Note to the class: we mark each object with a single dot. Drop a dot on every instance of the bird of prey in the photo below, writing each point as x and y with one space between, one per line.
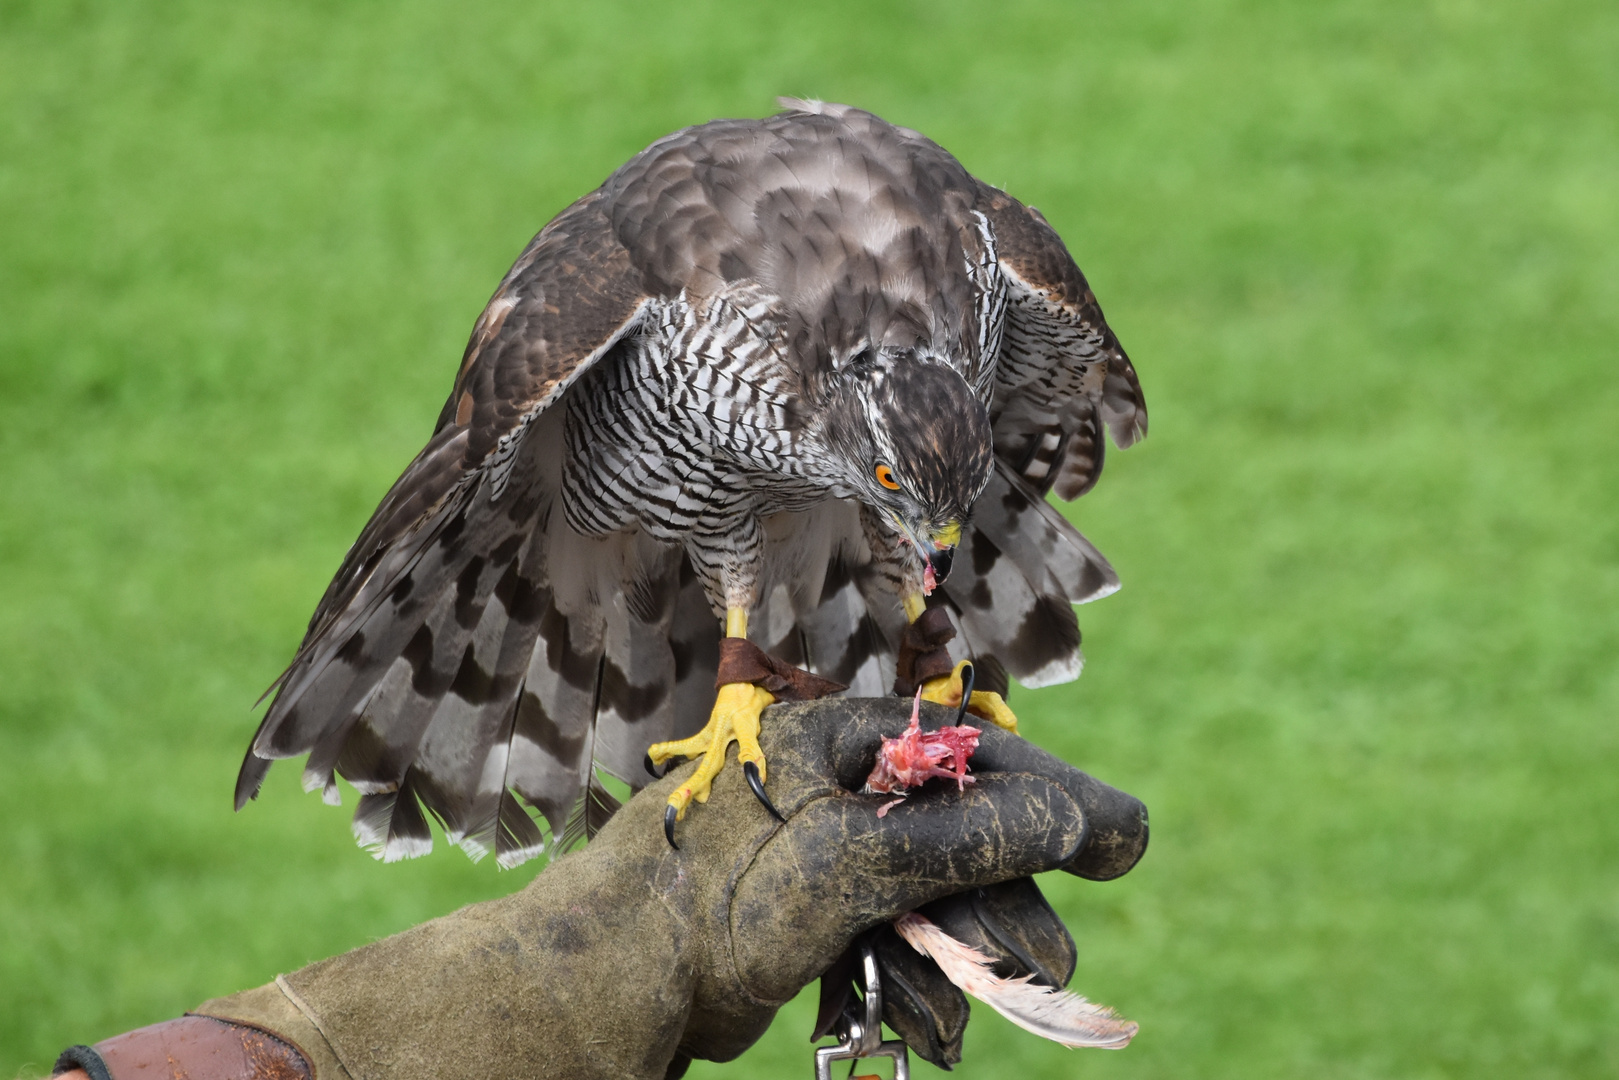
801 380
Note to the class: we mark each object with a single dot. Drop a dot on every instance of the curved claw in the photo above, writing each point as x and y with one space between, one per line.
652 770
751 771
966 693
670 815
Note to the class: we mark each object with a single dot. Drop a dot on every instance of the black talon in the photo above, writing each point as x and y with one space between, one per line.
966 692
669 815
652 770
750 769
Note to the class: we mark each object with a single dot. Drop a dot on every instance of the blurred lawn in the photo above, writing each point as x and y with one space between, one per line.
1365 255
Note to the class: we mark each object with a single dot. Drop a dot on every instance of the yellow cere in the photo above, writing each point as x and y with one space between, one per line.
948 535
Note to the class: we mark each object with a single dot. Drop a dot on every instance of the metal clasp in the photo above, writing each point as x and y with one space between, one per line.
860 1029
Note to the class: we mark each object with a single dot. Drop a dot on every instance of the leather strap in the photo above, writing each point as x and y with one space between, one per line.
922 652
190 1048
741 661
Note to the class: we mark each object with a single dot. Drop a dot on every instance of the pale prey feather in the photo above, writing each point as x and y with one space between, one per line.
1058 1015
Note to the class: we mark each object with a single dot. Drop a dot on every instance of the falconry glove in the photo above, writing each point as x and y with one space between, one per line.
630 958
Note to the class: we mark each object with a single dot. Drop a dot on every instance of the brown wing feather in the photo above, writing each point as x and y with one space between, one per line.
1062 373
435 552
569 297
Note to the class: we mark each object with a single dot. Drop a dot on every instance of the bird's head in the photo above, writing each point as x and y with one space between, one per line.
913 442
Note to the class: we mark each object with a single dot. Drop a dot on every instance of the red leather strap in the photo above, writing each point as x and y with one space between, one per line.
202 1048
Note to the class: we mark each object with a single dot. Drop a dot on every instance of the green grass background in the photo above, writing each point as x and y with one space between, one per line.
1365 254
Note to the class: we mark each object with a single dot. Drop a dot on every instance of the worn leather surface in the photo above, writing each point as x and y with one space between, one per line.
741 661
269 1009
1012 924
202 1048
922 653
628 958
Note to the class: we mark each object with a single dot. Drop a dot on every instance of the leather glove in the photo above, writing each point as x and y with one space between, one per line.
1011 924
629 958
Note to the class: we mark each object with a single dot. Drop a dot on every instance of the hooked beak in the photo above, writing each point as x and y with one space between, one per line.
938 551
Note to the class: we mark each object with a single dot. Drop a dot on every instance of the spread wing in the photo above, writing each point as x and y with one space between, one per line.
1060 378
1062 375
420 677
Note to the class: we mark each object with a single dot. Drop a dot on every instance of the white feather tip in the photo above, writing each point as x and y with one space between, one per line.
1057 1015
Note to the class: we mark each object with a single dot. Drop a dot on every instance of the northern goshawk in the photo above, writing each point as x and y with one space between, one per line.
771 380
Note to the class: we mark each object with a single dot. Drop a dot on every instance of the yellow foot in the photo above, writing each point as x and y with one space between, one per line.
735 719
946 690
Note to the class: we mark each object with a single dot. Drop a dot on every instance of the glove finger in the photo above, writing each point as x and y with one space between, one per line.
1118 821
837 869
837 989
920 1004
1012 924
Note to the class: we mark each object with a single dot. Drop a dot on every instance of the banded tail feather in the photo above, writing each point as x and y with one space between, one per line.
1020 570
589 814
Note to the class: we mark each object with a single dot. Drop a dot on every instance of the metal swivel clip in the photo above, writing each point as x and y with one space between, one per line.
860 1028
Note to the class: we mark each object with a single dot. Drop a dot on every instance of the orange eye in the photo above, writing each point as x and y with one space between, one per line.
885 477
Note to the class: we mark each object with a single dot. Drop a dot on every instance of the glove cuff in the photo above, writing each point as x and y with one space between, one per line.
273 1009
82 1057
192 1047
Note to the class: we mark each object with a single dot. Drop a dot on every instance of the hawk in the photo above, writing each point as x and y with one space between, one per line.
801 381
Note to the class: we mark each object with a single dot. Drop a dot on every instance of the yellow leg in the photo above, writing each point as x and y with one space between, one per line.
946 689
985 704
735 719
